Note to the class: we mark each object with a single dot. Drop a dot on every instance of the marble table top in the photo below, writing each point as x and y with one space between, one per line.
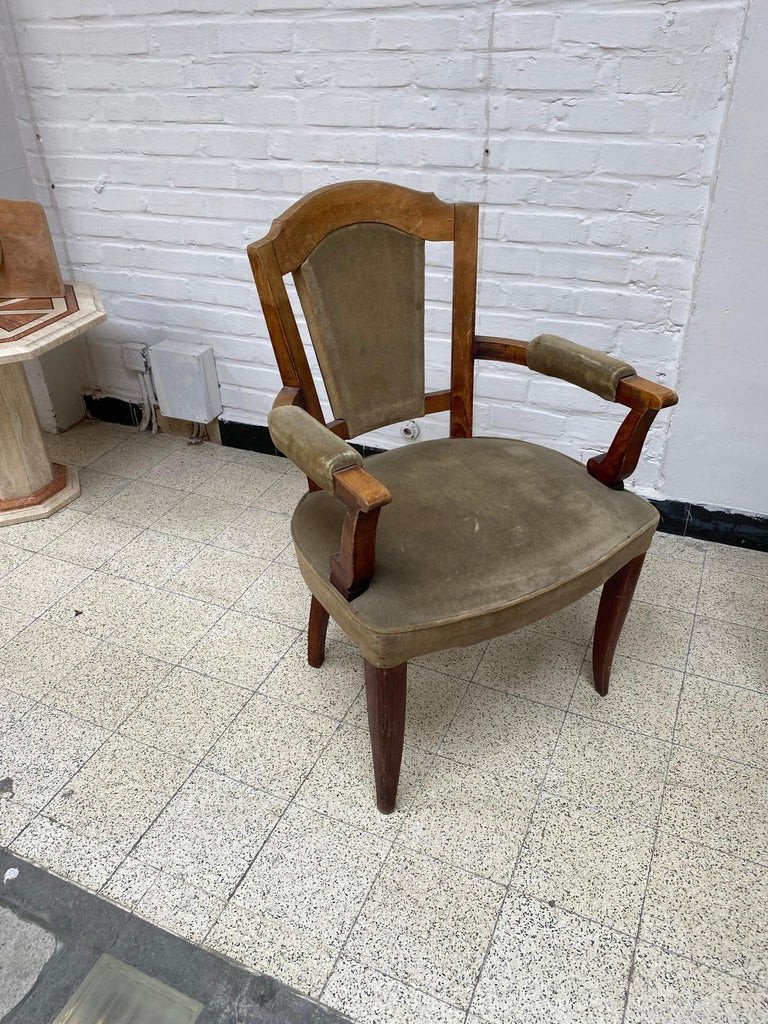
30 327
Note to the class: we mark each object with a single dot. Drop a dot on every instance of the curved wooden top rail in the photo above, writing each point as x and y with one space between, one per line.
296 233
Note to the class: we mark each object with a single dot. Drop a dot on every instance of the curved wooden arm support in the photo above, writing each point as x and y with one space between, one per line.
643 397
353 567
289 396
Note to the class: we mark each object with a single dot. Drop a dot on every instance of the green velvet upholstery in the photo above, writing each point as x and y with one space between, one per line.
362 293
311 446
483 536
594 371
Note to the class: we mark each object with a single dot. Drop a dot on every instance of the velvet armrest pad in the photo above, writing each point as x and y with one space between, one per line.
594 371
312 447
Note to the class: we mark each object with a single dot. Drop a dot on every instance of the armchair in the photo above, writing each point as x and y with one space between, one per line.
449 542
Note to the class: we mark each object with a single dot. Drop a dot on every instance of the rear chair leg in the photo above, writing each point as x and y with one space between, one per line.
318 627
385 695
614 605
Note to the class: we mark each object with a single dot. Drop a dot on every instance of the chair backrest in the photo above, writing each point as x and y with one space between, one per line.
356 252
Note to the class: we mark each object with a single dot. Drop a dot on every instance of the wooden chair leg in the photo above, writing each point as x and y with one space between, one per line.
385 694
318 627
614 605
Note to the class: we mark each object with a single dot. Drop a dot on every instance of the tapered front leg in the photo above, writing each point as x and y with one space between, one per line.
614 605
385 690
318 627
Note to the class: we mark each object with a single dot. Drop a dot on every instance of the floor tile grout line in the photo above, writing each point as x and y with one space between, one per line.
521 847
659 813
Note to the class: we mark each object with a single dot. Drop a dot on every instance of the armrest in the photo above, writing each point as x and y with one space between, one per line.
310 445
610 378
588 369
336 467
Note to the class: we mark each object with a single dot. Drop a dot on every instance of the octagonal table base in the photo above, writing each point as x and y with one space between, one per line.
30 486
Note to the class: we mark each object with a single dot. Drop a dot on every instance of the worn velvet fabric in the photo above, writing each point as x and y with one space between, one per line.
362 293
483 536
311 446
594 371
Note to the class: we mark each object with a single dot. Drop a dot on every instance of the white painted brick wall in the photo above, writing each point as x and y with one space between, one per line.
175 130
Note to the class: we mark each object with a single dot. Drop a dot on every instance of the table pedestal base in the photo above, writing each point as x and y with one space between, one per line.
64 487
30 487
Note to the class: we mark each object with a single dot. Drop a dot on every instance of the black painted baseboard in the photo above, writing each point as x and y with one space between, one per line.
680 517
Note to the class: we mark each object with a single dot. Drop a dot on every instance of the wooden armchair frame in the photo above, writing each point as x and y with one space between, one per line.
291 239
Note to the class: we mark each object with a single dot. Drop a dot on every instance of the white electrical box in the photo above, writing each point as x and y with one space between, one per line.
186 381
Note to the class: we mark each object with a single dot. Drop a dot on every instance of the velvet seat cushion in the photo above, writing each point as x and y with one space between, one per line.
483 536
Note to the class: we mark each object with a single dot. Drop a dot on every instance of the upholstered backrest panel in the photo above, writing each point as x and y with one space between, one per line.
362 292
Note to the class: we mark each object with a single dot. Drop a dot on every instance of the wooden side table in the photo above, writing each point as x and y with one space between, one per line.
31 487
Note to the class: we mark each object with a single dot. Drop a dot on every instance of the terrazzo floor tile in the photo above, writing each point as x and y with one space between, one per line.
592 864
119 792
186 714
197 518
172 903
496 730
152 558
95 488
369 997
660 636
240 484
669 582
129 881
273 946
730 653
240 648
38 584
475 819
641 697
99 606
341 783
216 575
14 818
92 541
718 803
39 657
210 831
183 470
256 532
668 989
34 535
141 504
457 661
689 549
132 458
329 690
709 906
86 860
609 769
271 746
167 625
83 443
11 557
284 494
13 707
737 597
108 685
431 702
727 721
545 966
12 623
733 559
279 594
575 623
531 665
42 752
314 873
427 924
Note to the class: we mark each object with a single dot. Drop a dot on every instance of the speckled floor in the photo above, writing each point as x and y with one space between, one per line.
555 856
